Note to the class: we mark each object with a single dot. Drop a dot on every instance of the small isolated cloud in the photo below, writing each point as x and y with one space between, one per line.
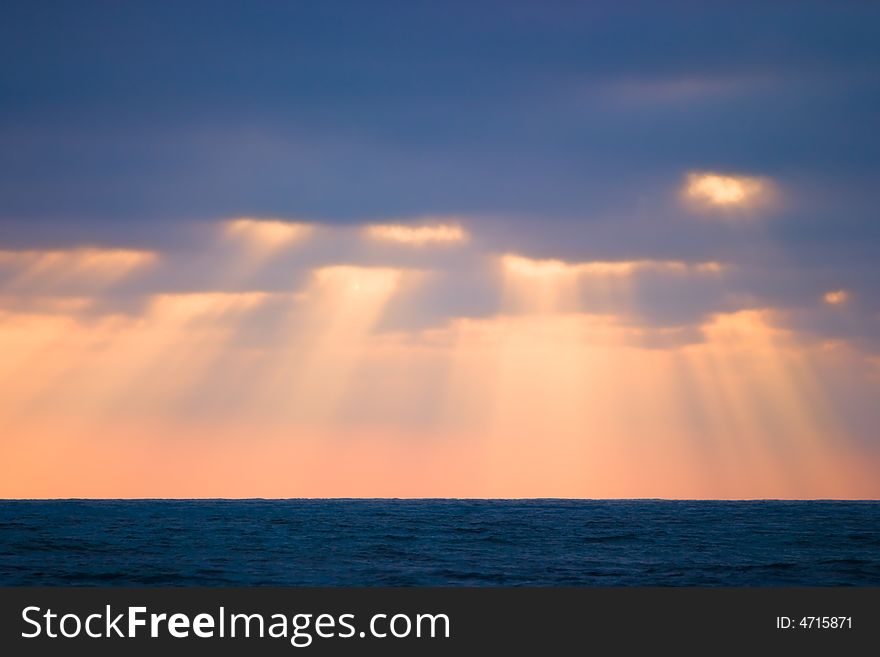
710 191
836 297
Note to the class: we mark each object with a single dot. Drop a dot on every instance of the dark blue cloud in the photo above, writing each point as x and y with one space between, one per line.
339 110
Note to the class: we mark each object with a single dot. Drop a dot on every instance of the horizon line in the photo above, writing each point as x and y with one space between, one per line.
436 499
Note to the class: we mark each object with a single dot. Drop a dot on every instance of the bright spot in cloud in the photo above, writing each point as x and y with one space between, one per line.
417 235
532 268
715 190
266 235
836 297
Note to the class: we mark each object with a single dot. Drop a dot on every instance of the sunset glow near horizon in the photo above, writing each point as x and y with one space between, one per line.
305 392
429 317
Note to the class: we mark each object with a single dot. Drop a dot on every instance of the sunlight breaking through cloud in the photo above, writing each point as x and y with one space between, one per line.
417 235
836 297
548 268
709 190
267 236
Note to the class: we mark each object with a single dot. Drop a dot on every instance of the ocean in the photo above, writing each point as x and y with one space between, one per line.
439 543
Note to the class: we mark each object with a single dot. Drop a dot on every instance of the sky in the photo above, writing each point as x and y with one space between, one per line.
431 249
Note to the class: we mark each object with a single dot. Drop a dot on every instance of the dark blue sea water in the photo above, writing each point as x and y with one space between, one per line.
439 542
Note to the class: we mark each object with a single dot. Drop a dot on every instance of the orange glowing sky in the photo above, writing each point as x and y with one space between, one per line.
336 376
556 249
